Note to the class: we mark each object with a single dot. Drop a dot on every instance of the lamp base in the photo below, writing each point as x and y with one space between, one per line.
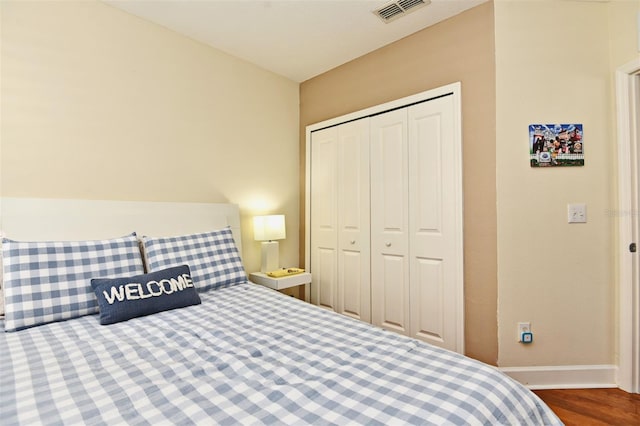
270 256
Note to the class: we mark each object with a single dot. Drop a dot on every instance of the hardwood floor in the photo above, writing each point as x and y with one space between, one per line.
593 407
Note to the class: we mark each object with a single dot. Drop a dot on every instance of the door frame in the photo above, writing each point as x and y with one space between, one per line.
454 89
628 108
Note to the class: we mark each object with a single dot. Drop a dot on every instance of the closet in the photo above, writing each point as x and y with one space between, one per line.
384 216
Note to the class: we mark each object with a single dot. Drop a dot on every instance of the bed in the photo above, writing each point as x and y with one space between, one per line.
237 354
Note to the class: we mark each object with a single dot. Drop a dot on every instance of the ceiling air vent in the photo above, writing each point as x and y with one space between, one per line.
396 9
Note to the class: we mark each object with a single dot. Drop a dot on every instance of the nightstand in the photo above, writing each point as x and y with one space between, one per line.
303 278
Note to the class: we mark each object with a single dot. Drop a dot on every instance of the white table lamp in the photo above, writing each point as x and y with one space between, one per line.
268 229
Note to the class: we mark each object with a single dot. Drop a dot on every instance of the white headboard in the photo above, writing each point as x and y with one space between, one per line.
42 219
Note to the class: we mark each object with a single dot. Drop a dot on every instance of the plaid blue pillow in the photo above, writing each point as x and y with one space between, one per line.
212 257
51 281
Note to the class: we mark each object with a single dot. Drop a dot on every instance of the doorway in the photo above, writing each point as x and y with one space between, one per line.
628 215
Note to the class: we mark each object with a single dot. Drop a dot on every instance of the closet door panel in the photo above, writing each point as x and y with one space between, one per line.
352 294
353 220
392 310
324 218
324 277
427 300
432 212
389 221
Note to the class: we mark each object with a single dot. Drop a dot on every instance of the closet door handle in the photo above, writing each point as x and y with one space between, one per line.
352 241
387 244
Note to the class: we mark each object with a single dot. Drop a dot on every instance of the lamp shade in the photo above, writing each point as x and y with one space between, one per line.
268 228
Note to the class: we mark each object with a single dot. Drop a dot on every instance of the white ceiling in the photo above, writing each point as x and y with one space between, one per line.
298 39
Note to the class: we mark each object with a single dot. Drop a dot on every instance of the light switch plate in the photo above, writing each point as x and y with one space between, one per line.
577 213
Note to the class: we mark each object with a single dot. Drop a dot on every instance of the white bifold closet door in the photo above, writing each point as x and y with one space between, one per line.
413 228
390 295
340 256
385 220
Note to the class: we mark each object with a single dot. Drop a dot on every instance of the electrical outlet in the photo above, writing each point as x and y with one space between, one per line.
577 213
523 327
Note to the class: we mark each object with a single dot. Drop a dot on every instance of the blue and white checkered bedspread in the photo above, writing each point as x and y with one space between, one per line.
247 355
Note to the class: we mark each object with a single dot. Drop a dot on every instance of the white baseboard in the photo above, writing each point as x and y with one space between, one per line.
564 376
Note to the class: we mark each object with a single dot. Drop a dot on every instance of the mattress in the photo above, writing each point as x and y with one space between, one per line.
248 355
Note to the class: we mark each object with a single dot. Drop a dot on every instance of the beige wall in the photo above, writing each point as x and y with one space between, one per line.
99 104
459 49
623 31
559 276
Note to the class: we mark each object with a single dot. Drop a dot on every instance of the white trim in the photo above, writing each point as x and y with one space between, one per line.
457 100
629 332
565 376
456 90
